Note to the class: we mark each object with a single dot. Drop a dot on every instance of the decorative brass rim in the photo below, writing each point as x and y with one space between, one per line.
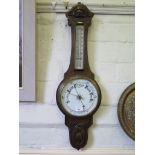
126 110
62 85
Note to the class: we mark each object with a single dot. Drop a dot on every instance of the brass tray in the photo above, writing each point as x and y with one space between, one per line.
126 110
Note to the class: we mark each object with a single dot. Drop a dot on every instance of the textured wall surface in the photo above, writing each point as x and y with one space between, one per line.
111 57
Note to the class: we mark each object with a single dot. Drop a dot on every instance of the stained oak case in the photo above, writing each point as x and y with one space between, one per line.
78 125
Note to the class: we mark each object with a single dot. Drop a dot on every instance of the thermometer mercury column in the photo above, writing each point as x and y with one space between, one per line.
79 48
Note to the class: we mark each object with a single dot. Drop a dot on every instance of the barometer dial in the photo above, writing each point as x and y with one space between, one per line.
79 97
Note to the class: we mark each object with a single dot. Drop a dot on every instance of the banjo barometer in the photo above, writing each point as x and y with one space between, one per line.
78 95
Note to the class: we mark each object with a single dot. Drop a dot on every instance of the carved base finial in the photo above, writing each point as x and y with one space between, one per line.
78 136
78 131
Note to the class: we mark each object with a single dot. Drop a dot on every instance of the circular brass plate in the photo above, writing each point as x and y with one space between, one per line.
126 110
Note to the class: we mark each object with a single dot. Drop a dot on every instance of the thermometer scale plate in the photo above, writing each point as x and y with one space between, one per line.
79 52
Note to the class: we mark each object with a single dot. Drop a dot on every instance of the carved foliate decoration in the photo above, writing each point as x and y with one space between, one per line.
80 11
126 111
78 131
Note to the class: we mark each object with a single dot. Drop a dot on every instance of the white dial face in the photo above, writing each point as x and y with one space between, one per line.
79 97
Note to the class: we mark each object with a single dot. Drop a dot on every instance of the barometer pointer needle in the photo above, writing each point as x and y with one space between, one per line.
79 98
82 104
76 90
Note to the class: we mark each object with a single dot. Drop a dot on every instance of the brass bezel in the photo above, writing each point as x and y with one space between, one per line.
63 84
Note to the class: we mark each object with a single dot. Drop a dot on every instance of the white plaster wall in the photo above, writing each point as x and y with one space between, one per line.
111 57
